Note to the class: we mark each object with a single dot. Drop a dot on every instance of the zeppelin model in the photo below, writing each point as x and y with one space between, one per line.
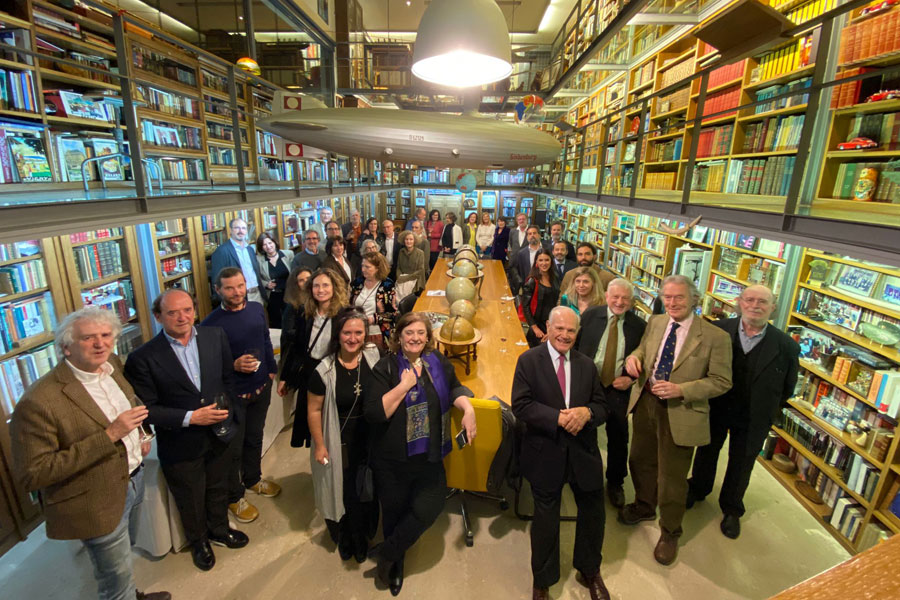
402 136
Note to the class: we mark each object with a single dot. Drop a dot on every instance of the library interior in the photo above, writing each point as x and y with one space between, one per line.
739 144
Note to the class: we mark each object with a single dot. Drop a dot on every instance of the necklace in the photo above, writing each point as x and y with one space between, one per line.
418 363
357 388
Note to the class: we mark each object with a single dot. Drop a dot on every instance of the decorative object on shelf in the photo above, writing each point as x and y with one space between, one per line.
877 8
464 309
679 230
866 185
465 183
884 333
248 64
884 94
858 281
858 143
807 491
461 288
818 270
890 290
783 463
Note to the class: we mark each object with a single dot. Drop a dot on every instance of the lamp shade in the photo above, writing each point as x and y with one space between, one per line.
462 43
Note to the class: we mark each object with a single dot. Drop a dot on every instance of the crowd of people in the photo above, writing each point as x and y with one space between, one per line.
373 398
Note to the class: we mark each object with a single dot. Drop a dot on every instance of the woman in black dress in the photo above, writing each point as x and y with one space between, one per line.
408 405
340 434
294 299
274 268
501 240
540 294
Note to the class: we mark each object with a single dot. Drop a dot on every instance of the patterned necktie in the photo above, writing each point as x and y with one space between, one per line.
608 370
561 375
667 360
559 267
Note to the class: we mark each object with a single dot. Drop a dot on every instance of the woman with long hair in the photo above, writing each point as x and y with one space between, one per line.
500 243
337 262
294 300
340 433
373 293
584 291
484 235
434 229
408 406
274 269
326 295
540 293
470 229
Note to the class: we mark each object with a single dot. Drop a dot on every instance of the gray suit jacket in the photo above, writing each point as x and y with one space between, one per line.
514 243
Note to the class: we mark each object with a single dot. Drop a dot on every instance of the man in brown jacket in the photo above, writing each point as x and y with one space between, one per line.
681 362
76 440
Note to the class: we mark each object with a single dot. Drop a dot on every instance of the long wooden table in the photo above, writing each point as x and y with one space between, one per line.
502 341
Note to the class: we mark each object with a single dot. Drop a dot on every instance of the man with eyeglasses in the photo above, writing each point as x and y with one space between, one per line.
681 362
764 370
311 255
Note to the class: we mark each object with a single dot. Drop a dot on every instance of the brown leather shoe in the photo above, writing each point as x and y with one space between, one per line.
666 549
630 514
595 585
539 593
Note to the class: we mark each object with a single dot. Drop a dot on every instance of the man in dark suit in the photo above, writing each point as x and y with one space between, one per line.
558 396
389 246
238 252
608 334
310 256
764 370
76 440
681 362
518 236
520 267
179 374
561 264
556 235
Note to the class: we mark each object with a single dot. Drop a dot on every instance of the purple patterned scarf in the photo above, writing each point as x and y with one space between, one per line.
418 425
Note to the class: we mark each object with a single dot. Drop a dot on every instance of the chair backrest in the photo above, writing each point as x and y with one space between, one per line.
467 469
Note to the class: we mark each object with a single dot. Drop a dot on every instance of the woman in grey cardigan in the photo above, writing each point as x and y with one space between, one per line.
410 263
340 433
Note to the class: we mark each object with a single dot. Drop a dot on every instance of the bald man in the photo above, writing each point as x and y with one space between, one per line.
764 372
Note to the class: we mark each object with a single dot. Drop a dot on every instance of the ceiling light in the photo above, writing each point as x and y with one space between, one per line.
462 43
408 3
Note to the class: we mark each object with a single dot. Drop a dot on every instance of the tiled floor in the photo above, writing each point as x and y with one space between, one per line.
290 557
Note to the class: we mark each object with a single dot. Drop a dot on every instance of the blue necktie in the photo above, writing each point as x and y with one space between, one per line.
667 360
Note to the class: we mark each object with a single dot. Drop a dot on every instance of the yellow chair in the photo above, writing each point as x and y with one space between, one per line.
467 469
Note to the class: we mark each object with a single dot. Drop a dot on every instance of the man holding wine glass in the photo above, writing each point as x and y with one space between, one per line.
247 329
681 362
180 374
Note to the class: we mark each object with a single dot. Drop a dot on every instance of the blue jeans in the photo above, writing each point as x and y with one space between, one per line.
111 553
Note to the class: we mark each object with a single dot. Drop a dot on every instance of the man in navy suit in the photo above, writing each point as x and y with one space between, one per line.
179 374
238 252
557 394
556 235
561 264
520 266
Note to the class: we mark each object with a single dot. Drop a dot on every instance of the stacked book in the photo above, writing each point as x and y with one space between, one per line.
796 87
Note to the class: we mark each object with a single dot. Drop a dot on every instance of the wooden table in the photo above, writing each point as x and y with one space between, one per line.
492 374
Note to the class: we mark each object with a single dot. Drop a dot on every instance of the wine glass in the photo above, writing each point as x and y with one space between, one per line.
256 353
222 402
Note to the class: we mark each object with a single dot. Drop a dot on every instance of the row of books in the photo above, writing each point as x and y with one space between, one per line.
748 267
810 10
23 249
772 91
213 221
96 261
722 101
71 152
675 101
618 261
861 477
847 517
715 141
773 134
666 150
22 277
660 181
726 73
848 94
644 74
163 66
882 128
790 57
709 176
885 392
676 73
25 318
170 104
219 107
55 22
815 439
647 262
96 234
266 143
870 38
225 157
276 170
17 91
192 169
171 136
765 176
845 181
66 103
224 133
117 296
16 374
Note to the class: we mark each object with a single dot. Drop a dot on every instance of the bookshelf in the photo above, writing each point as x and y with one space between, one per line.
174 244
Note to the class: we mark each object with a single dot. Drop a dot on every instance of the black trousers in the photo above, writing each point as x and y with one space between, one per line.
246 446
275 308
432 259
353 528
412 496
589 530
742 452
616 436
200 488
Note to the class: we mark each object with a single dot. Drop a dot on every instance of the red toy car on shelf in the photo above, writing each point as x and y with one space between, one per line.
884 94
878 7
858 143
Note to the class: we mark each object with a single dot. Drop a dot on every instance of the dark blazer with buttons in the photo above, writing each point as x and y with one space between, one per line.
772 380
164 386
226 256
60 448
537 401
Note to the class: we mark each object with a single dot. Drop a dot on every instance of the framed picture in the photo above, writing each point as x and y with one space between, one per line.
857 281
323 10
890 290
839 312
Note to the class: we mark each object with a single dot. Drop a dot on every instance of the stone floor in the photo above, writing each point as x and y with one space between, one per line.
290 555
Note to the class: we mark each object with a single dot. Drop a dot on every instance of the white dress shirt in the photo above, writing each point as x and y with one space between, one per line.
554 358
389 250
112 401
620 347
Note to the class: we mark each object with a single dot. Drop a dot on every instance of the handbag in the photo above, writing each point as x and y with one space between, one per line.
404 289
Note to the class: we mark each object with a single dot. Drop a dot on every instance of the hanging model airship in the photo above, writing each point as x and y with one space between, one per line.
403 136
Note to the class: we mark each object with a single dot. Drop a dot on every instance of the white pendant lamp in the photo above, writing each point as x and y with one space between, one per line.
462 43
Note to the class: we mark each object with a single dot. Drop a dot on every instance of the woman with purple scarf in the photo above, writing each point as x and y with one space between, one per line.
408 404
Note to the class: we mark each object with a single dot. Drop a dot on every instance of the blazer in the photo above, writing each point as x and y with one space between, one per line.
521 267
604 276
514 245
396 253
164 386
353 261
434 231
60 448
451 237
226 256
570 249
500 243
346 228
302 258
770 383
702 369
593 325
287 257
568 265
537 401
